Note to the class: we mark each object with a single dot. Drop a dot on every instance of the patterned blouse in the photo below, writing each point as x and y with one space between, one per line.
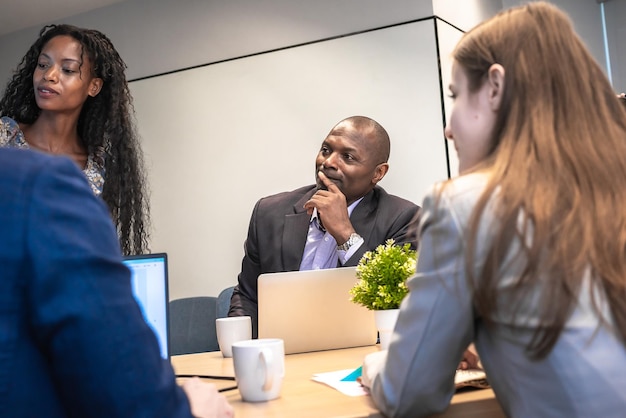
12 136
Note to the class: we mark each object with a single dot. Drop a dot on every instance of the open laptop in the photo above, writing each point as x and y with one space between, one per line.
312 311
149 284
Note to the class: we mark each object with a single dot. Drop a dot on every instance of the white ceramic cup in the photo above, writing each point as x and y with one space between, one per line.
259 368
230 330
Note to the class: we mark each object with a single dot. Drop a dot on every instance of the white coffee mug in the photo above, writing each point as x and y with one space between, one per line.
259 368
230 330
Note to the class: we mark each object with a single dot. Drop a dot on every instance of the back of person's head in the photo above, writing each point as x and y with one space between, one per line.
557 161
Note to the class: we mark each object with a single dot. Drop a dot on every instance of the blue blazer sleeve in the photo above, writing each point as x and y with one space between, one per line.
103 358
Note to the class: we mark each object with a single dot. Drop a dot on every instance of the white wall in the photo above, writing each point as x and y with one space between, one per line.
217 138
159 36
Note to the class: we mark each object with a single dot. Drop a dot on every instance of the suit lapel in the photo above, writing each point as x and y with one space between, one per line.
363 216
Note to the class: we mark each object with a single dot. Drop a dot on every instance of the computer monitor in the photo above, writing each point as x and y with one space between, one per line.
149 284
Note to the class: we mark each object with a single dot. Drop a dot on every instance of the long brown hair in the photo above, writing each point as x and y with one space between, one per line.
558 169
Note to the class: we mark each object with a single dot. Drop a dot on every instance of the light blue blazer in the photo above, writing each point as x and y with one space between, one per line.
583 376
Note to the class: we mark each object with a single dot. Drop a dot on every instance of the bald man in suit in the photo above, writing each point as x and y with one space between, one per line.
331 223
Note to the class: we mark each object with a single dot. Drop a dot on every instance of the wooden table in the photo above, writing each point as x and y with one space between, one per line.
302 397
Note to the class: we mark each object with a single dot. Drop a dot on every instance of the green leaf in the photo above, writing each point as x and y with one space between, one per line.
382 276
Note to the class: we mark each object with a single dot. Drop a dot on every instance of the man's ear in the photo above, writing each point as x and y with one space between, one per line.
95 86
379 172
495 79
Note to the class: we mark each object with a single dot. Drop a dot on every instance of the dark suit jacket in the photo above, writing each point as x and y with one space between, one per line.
278 231
73 341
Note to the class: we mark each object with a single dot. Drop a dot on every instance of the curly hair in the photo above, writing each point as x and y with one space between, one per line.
105 127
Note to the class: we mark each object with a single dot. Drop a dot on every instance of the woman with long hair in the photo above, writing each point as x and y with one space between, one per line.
524 253
69 96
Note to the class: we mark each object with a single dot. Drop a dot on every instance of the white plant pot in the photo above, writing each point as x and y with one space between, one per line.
385 323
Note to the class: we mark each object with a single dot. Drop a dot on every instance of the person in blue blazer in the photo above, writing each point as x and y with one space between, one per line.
73 342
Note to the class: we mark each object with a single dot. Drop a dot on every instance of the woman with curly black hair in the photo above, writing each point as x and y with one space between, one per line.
69 96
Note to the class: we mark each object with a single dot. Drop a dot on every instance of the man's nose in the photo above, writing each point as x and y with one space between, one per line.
330 161
448 133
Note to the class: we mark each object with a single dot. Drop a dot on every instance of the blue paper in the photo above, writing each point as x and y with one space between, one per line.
352 376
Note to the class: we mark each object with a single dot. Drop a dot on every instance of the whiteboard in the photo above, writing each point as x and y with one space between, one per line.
219 137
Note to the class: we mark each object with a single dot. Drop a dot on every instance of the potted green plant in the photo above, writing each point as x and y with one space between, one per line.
382 275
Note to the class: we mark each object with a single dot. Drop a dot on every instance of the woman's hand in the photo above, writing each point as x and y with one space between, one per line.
206 401
470 359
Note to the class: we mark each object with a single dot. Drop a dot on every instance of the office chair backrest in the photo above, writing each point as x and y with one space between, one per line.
223 302
192 325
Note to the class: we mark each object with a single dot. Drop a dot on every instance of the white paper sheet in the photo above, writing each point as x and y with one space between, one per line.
334 380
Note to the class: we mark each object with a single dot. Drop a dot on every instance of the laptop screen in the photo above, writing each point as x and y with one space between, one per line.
149 284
